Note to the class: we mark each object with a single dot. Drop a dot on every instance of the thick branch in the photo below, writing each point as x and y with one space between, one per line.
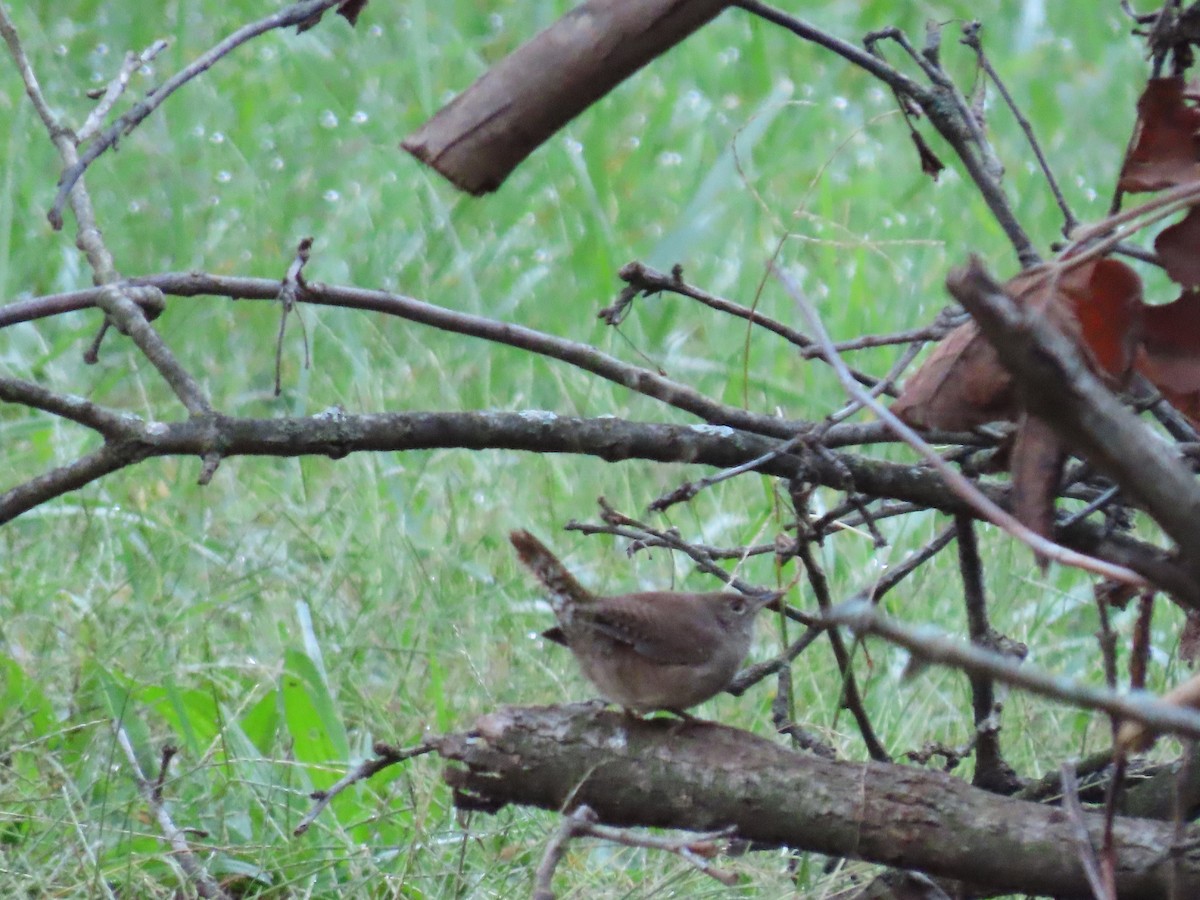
703 776
479 138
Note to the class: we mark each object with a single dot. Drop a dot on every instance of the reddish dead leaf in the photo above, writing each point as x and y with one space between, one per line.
1109 308
1179 249
1170 352
1099 304
961 385
1165 147
1037 461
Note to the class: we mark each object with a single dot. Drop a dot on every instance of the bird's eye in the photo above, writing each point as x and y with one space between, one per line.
738 605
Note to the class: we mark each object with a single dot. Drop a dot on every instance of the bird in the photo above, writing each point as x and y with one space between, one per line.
655 650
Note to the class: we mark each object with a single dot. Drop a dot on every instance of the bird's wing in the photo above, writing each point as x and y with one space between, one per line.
686 636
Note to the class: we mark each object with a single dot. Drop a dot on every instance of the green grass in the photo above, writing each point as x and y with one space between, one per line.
276 622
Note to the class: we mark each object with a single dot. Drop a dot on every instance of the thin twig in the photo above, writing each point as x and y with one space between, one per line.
116 87
752 675
32 89
583 822
936 648
689 489
851 697
385 755
293 15
121 302
152 795
991 771
896 574
971 39
648 280
1083 841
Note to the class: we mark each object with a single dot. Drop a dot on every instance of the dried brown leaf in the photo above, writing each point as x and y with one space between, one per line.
1170 352
1099 304
1037 462
1179 249
962 385
1165 146
930 164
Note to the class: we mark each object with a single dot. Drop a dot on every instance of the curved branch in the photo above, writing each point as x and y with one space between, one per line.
335 433
78 409
64 479
582 356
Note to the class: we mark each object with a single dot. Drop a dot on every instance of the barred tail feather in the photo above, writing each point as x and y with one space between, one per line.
548 570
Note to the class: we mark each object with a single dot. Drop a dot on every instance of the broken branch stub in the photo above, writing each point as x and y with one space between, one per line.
482 135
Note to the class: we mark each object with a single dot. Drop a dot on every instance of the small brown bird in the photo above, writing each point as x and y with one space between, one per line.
654 650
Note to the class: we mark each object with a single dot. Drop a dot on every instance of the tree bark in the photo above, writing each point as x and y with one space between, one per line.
485 132
704 776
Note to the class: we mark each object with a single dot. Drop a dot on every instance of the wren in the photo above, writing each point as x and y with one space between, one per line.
654 650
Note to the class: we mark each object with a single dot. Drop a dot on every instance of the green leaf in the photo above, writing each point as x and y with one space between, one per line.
318 735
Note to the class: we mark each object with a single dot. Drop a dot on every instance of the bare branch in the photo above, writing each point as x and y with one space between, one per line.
385 755
649 280
64 479
32 88
935 648
582 822
116 87
971 39
991 771
517 104
108 422
583 356
152 796
701 776
296 14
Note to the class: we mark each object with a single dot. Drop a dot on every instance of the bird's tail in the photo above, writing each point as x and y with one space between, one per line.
548 570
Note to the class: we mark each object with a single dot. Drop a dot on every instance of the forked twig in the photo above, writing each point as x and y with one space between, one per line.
151 792
385 755
696 849
296 14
